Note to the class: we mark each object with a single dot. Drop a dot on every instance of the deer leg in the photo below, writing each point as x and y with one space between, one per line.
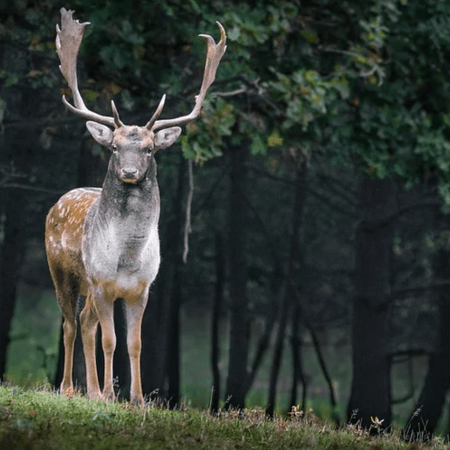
105 311
67 295
134 314
70 332
89 323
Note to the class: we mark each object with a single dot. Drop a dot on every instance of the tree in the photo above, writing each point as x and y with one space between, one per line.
429 406
371 385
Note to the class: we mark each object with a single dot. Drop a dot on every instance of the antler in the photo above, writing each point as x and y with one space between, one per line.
213 56
68 41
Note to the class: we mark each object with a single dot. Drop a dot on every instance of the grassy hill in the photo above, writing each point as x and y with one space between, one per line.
41 419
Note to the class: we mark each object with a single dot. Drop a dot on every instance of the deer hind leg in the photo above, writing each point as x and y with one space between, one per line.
135 312
67 295
70 333
89 324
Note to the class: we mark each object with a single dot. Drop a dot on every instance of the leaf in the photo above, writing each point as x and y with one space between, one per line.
234 34
310 35
90 95
258 146
275 139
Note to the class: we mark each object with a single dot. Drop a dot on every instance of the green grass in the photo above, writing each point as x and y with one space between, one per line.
39 419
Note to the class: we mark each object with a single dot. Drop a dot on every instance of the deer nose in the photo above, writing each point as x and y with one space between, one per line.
129 173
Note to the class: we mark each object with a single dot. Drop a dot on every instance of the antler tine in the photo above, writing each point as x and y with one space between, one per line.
68 41
213 56
117 122
157 113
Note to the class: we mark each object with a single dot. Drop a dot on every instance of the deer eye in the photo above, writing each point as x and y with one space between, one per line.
114 147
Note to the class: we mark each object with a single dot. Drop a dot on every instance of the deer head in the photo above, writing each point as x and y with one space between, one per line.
132 147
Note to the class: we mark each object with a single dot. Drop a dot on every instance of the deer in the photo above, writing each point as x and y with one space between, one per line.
103 243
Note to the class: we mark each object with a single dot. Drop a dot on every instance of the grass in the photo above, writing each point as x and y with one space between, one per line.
40 419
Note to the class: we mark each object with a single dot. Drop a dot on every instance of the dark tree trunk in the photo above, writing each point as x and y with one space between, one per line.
161 325
11 255
323 368
173 341
270 321
429 407
60 363
297 366
154 327
14 156
278 353
215 323
173 336
371 384
121 365
236 388
288 284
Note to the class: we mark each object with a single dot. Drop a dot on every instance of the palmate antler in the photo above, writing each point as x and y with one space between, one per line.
68 41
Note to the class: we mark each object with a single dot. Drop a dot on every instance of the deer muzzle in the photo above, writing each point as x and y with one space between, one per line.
129 175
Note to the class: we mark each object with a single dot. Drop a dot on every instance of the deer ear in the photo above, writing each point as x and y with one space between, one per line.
165 138
101 133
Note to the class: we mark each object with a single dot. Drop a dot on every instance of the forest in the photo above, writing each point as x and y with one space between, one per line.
304 225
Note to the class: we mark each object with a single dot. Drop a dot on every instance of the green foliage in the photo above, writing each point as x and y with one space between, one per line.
306 96
364 81
9 79
204 138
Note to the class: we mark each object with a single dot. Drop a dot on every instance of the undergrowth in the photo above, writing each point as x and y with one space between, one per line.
41 419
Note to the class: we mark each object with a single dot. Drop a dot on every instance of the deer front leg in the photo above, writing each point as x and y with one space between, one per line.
105 311
134 314
89 323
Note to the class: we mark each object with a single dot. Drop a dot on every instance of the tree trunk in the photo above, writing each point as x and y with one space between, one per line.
173 340
215 323
297 366
11 255
371 384
161 325
236 389
278 353
288 284
154 332
173 336
121 365
269 325
429 407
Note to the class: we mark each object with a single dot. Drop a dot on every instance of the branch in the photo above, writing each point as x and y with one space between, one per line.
30 188
187 226
409 290
239 91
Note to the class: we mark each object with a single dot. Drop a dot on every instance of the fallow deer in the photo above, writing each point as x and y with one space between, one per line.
103 243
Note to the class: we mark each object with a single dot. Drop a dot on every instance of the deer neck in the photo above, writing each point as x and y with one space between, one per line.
134 208
121 232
